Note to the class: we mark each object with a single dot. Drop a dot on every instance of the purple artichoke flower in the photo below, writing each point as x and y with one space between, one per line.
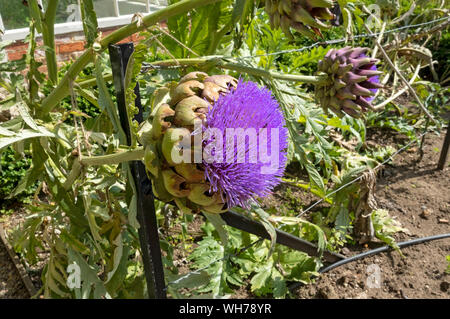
254 140
353 80
217 143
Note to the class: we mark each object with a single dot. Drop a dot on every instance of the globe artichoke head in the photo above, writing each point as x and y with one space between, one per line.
174 138
169 129
352 81
305 16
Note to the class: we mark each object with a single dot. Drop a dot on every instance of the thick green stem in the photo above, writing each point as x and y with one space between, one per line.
63 88
218 61
275 75
116 158
48 37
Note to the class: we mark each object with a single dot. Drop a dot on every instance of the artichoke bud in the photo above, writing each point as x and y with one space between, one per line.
352 81
335 67
359 90
302 15
342 69
161 120
176 146
175 184
357 63
201 195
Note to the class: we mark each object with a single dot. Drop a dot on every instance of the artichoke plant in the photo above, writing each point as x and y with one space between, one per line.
353 80
186 146
305 16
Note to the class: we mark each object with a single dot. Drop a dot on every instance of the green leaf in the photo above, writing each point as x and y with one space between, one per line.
238 10
23 135
315 177
106 103
264 218
22 108
218 224
191 280
73 242
6 132
279 287
116 277
36 14
261 279
89 278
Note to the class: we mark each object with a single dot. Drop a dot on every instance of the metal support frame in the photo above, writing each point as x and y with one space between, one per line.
148 232
246 224
146 215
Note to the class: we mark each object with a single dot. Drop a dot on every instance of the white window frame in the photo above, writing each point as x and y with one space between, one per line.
77 26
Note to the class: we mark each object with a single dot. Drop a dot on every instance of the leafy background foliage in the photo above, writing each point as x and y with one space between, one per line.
86 215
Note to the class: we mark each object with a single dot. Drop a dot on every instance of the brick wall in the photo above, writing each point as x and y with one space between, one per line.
68 47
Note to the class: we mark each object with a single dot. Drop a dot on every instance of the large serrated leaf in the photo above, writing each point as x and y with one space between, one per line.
89 278
23 135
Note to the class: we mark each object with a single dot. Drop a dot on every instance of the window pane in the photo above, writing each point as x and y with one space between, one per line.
105 8
132 7
67 11
14 14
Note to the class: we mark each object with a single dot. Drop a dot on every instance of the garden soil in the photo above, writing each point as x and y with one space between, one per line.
418 196
11 285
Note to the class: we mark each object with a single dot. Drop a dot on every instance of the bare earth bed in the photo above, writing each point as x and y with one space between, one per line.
11 285
419 197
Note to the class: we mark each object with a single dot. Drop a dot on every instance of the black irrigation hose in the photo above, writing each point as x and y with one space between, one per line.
374 252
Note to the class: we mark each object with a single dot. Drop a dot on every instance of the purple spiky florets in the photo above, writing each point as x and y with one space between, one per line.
251 109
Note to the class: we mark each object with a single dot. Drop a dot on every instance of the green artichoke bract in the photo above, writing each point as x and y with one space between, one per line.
353 80
305 16
170 125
